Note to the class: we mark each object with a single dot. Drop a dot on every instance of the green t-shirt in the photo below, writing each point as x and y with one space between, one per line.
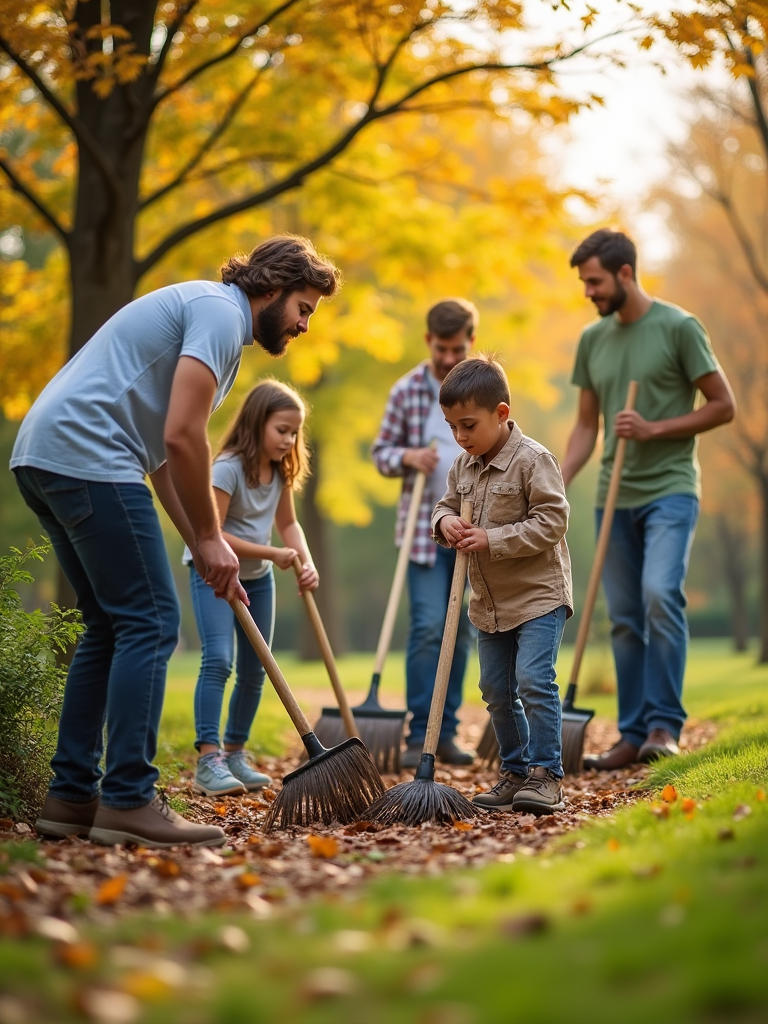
664 351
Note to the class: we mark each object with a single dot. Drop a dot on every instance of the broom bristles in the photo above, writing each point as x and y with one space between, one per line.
413 803
336 786
383 737
488 747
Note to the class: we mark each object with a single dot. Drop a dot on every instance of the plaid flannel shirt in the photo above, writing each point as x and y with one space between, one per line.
402 427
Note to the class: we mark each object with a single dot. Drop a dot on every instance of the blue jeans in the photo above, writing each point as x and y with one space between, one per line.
517 681
429 588
643 577
108 541
217 626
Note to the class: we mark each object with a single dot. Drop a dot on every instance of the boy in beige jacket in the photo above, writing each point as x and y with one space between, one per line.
519 576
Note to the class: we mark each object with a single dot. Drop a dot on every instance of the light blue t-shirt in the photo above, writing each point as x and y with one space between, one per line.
251 511
437 430
102 417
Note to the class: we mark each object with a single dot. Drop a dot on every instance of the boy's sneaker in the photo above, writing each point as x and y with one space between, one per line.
501 795
214 778
541 793
155 824
239 766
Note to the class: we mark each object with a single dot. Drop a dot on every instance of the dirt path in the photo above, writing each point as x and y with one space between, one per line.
259 871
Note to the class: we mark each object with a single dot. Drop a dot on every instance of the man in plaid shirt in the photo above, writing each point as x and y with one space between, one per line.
415 437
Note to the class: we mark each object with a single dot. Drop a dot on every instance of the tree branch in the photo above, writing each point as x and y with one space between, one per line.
296 178
18 186
75 125
746 243
209 143
171 29
224 55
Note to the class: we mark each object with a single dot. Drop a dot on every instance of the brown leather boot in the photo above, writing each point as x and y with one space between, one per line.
660 743
154 825
61 818
620 755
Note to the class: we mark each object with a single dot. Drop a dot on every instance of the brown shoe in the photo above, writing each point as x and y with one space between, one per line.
155 825
541 793
620 755
660 743
61 818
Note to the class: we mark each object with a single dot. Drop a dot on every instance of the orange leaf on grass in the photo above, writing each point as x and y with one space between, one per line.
760 796
688 807
613 845
669 793
78 956
323 846
111 890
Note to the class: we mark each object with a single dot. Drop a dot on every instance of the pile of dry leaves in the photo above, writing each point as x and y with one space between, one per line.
259 871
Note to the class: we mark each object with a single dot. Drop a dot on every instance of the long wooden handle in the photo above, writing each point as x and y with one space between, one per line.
261 647
602 543
325 649
455 601
387 628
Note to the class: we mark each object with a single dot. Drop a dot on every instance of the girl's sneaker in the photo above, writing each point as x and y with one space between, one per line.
214 777
239 766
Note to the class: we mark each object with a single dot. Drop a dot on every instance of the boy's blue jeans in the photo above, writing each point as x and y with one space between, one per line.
517 681
644 573
217 626
108 541
428 589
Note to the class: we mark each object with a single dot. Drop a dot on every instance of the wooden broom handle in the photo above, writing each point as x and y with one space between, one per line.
387 627
602 543
261 647
455 601
327 653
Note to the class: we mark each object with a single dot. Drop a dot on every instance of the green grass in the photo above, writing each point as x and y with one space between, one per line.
657 913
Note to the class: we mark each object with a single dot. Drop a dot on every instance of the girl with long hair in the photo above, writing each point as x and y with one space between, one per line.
261 462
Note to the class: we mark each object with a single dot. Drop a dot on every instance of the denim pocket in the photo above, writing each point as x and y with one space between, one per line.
68 499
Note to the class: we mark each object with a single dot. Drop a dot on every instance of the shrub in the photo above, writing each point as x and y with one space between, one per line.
31 686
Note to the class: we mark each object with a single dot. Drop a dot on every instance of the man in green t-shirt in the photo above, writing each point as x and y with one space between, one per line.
668 352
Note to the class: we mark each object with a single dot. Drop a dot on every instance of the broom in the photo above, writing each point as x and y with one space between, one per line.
412 803
333 785
576 720
330 663
381 729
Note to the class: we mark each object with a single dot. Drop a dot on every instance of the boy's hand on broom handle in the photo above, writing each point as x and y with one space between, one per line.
463 535
283 557
308 578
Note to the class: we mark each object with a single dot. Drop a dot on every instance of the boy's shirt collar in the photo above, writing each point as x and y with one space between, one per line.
504 457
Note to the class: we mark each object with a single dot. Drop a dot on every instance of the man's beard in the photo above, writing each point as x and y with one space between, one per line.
270 329
616 301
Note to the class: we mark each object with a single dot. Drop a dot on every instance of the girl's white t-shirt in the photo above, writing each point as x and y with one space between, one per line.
251 512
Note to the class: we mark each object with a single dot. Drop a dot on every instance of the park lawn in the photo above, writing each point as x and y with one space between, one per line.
658 913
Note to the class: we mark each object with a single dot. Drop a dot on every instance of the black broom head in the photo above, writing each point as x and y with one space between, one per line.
335 785
412 803
383 736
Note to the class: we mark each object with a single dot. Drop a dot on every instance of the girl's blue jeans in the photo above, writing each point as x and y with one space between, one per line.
217 626
645 569
108 541
517 681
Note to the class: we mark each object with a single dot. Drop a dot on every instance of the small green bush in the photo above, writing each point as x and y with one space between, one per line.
31 686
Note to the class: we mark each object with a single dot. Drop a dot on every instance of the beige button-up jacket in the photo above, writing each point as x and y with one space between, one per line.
519 499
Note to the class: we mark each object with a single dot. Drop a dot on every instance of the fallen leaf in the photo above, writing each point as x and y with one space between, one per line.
269 795
669 794
581 906
614 845
741 812
220 809
56 930
660 810
78 956
323 846
688 807
6 824
725 834
248 879
525 924
254 840
760 796
111 890
462 826
166 867
233 939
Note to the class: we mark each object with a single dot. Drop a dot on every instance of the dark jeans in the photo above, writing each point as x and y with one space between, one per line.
643 577
217 626
108 541
429 589
517 681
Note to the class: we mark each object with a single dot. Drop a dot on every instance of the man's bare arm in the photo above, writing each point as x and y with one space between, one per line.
583 437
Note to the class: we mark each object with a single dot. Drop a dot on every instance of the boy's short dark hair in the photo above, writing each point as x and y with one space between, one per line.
450 316
612 248
480 379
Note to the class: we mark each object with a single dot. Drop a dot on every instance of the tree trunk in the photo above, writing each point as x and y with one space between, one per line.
734 569
763 626
326 595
